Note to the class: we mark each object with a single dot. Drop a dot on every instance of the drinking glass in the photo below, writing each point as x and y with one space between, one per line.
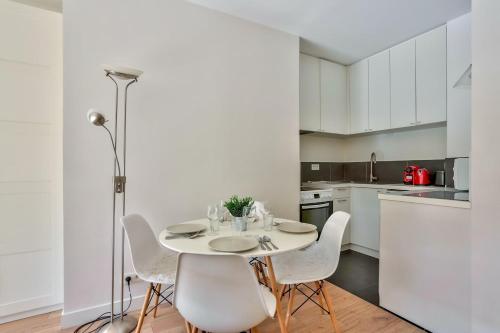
266 208
221 210
268 222
213 217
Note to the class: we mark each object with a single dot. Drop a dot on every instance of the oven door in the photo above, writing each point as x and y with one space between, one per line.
316 213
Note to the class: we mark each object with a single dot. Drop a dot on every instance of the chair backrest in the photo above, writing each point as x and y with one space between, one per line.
144 246
218 293
330 240
259 209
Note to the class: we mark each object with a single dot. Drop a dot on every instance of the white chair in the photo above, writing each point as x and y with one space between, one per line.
313 265
259 209
258 262
220 293
152 262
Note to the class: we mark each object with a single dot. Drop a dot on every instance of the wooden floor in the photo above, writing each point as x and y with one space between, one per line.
353 314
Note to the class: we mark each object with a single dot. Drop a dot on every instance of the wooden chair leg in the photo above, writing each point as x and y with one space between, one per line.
282 290
330 307
144 309
194 330
320 296
263 272
254 330
188 326
158 291
290 305
257 273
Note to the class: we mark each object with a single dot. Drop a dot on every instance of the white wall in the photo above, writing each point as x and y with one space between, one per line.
320 148
407 144
215 113
485 159
31 256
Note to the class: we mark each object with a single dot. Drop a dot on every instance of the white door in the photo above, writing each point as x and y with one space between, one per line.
344 205
31 155
365 219
431 76
358 90
402 59
309 99
333 97
379 91
459 58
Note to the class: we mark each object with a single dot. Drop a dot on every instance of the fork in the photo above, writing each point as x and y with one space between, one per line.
262 242
267 239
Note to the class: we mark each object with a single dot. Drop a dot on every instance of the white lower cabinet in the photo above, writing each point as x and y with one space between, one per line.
344 205
365 218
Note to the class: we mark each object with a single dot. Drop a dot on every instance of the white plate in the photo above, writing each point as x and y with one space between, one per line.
233 244
185 228
296 227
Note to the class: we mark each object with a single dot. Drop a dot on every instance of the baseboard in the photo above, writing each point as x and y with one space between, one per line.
78 317
31 313
360 249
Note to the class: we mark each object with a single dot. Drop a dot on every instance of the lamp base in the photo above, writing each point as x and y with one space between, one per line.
125 325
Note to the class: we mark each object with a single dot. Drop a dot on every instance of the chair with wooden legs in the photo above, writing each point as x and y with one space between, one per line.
220 293
307 269
152 263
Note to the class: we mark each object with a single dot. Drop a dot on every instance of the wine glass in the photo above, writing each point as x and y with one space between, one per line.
266 208
213 217
221 210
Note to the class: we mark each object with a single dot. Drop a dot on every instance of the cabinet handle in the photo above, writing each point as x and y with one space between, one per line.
341 189
342 200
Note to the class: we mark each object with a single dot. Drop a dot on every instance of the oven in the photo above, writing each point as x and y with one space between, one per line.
316 206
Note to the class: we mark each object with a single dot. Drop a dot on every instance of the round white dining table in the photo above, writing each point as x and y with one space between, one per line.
285 242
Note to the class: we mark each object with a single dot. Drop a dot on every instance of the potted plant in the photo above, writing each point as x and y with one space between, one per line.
236 207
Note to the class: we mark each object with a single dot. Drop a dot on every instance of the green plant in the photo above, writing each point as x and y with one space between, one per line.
235 205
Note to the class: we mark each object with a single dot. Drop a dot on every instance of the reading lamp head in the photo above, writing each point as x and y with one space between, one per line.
95 117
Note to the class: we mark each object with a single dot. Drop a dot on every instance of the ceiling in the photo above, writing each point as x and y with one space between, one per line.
53 5
345 30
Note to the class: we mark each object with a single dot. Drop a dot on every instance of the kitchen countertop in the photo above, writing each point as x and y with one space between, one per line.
432 195
402 187
448 198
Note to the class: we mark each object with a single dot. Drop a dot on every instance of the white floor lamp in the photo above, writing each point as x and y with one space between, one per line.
122 323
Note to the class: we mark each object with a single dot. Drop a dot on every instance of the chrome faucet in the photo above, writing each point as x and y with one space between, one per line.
373 160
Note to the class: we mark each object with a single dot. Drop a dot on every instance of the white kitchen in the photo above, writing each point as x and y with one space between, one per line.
387 139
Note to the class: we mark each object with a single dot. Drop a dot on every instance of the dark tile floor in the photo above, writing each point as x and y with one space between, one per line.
358 274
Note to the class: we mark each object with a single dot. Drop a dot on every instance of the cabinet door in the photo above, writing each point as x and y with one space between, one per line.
358 91
402 64
379 93
333 97
344 205
309 94
365 224
459 98
431 76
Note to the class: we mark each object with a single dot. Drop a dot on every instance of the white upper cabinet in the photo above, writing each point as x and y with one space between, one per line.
358 91
402 64
459 97
309 95
333 85
379 92
430 63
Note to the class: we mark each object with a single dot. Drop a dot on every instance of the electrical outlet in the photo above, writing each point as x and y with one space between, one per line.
315 167
133 277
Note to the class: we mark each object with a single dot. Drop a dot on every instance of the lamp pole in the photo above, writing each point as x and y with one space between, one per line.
123 323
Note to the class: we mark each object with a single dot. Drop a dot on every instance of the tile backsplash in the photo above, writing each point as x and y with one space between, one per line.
386 171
